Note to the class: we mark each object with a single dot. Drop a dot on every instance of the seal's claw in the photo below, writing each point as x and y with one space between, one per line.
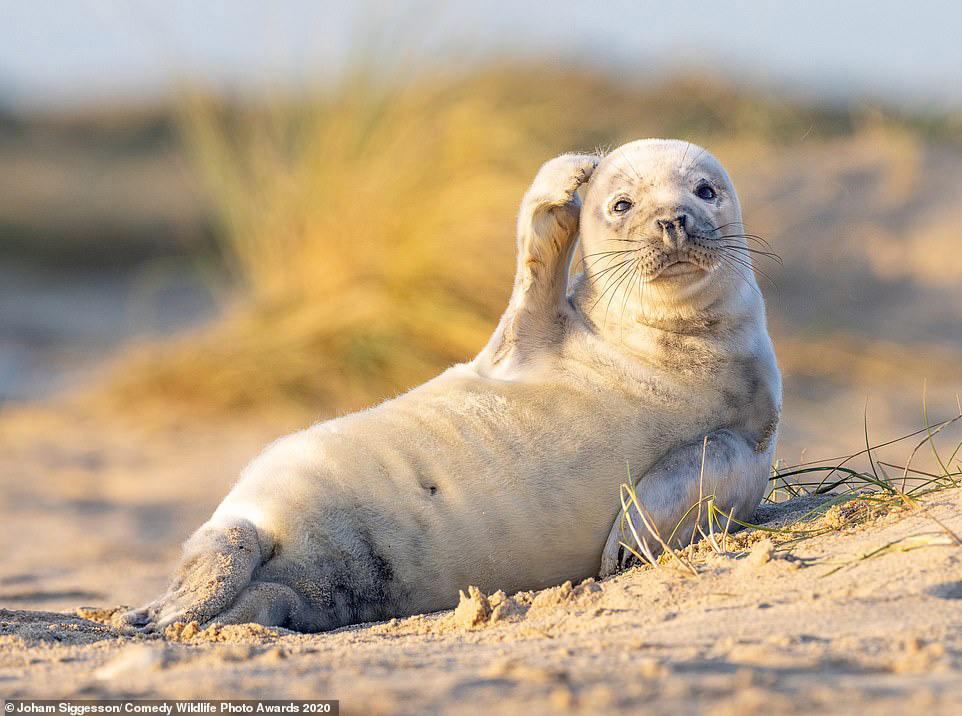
558 179
614 558
609 566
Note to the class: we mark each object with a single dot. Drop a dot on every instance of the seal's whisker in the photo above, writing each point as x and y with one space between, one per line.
747 256
606 288
643 290
638 176
742 260
623 174
729 260
609 269
603 271
754 237
733 236
635 278
758 252
726 260
763 254
622 269
626 274
730 223
626 265
584 267
684 156
617 272
609 253
612 267
750 237
697 157
755 269
604 255
733 259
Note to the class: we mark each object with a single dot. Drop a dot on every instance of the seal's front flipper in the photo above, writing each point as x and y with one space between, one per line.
216 565
733 480
547 232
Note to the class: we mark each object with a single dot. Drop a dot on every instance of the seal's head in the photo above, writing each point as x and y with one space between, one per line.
661 229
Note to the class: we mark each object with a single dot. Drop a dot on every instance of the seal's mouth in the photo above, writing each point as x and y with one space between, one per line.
685 258
680 267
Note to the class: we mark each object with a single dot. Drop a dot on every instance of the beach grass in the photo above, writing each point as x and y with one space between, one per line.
849 490
368 229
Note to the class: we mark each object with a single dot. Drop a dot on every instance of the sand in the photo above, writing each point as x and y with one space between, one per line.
91 515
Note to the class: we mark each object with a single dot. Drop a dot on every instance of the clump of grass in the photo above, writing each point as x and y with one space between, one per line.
368 230
368 233
851 497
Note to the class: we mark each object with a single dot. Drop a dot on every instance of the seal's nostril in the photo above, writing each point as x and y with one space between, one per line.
674 231
679 221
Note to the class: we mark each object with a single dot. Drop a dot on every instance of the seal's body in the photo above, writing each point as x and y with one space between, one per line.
505 472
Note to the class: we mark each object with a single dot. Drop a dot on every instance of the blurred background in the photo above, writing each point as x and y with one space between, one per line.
277 211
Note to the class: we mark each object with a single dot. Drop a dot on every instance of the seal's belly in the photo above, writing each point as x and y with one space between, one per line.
462 481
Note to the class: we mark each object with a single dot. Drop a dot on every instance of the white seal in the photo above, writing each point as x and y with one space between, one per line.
505 472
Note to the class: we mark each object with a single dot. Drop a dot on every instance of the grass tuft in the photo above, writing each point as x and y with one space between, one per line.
369 229
851 497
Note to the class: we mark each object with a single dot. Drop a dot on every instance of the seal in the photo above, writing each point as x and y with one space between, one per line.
653 367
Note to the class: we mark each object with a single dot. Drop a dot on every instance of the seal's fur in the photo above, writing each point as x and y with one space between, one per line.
504 472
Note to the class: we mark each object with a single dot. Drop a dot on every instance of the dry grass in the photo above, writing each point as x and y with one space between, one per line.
840 497
370 230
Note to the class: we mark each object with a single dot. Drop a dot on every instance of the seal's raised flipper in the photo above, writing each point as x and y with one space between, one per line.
734 479
547 232
216 566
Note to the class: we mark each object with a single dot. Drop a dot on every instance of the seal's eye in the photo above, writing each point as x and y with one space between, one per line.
705 192
621 206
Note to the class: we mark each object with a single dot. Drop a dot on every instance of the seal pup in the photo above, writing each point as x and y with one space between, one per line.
504 472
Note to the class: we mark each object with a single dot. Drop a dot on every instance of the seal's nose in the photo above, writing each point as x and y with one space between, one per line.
674 231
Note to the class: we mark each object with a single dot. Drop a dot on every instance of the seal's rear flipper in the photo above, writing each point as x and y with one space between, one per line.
268 604
216 566
547 231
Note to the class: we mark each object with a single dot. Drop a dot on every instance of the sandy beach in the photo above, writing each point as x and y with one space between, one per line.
93 514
